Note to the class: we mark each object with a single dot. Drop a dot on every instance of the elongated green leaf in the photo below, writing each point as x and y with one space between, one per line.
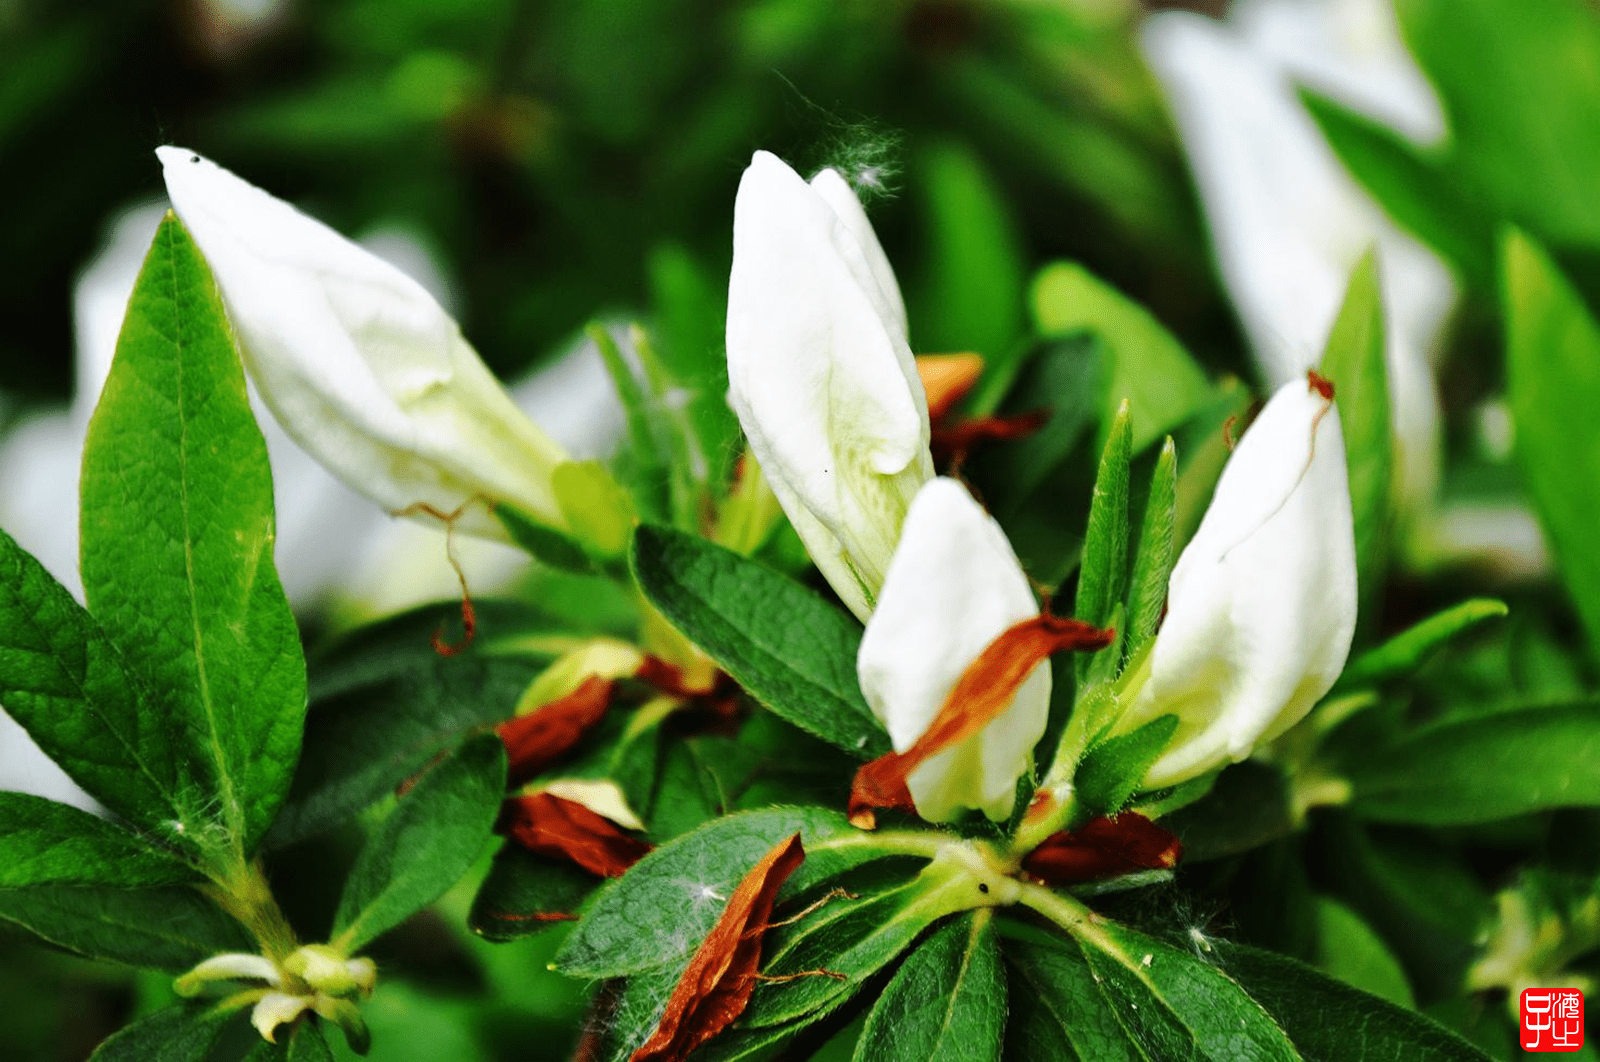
1152 566
1149 368
1484 768
1354 361
1111 771
547 544
527 893
1553 361
170 928
1103 576
946 1003
690 308
364 741
1405 652
437 832
1347 948
46 843
177 534
659 911
1331 1022
182 1033
67 684
791 650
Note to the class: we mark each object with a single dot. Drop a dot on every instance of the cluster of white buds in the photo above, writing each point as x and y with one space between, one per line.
313 978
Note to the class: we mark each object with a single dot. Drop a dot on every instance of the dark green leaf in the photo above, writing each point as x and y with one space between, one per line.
1152 566
43 842
1332 1022
1553 361
1247 807
1150 369
1483 768
791 650
64 681
1354 361
1405 652
430 839
1347 948
527 893
365 740
182 1033
946 1003
177 534
170 928
547 544
663 907
308 1044
1103 575
1109 772
690 308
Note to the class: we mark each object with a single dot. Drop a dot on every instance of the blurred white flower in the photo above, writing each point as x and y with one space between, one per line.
1261 605
821 374
953 587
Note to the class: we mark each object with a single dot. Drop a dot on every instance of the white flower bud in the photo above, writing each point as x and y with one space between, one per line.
821 373
358 362
1261 606
953 587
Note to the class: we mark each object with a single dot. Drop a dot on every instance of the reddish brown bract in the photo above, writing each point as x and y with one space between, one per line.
538 739
716 986
1320 384
565 829
1103 848
981 694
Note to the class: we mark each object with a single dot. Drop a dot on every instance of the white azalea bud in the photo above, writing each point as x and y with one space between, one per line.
821 374
358 362
1261 606
953 587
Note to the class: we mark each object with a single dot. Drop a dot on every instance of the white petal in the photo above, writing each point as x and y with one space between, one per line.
1262 603
275 1009
861 251
357 360
953 587
822 380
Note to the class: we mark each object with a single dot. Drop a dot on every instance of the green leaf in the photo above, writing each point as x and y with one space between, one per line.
972 289
690 308
1332 1022
546 544
1102 578
1420 193
1483 768
787 647
171 928
1152 565
946 1003
595 506
1110 771
1405 652
1149 368
1354 361
365 740
1553 362
66 683
1347 948
527 893
660 910
177 535
648 451
307 1044
43 842
182 1033
430 839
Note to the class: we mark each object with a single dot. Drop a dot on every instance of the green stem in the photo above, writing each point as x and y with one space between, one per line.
894 842
244 893
1059 814
1071 916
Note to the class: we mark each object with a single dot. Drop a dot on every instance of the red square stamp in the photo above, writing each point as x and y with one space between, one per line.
1552 1019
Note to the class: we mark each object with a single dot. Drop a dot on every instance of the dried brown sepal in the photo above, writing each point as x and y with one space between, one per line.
716 986
1104 848
951 441
982 692
538 739
947 378
565 829
1320 384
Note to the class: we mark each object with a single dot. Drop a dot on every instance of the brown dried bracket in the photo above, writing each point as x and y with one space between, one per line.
984 690
716 986
1104 848
565 829
947 379
535 741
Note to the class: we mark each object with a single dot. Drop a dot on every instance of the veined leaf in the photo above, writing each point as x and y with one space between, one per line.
1102 579
946 1003
169 928
43 842
177 536
182 1033
1152 566
791 650
526 893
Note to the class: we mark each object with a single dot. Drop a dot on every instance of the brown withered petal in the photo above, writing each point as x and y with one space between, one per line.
565 829
954 439
538 739
716 986
982 692
1103 848
947 378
